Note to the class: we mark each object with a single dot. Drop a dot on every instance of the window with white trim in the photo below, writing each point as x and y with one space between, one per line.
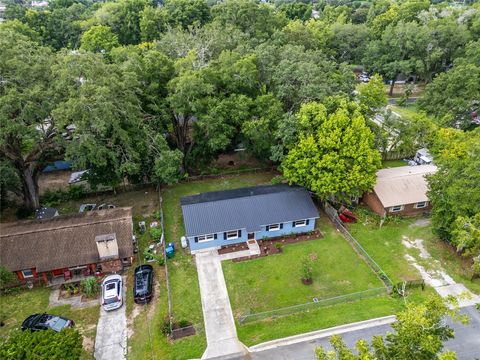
421 204
208 237
300 223
232 235
27 273
273 227
396 208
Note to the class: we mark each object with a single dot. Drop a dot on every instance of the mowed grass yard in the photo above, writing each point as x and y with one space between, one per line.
385 246
148 341
273 282
18 306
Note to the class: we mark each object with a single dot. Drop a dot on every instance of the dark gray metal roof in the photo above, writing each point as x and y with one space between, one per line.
246 208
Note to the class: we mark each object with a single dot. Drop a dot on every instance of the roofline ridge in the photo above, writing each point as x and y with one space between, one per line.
99 221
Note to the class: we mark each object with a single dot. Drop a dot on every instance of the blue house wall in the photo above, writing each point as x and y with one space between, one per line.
218 242
287 229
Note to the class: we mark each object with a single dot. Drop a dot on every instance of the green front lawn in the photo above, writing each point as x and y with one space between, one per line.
325 317
16 307
273 282
185 293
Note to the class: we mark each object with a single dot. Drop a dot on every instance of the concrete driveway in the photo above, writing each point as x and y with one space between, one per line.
111 340
222 340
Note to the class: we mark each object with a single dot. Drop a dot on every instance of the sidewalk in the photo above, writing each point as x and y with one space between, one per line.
319 334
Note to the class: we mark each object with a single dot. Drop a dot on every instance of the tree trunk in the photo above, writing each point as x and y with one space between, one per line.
30 187
392 85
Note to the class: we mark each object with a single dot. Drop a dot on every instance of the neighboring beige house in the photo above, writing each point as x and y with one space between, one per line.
400 191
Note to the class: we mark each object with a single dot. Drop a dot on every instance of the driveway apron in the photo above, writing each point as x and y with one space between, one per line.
111 340
220 328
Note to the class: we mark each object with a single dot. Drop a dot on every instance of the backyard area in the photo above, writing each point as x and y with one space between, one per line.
273 282
17 306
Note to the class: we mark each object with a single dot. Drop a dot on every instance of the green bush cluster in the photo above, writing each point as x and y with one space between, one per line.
55 197
90 286
65 345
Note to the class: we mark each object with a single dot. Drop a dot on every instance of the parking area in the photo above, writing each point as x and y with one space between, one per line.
111 340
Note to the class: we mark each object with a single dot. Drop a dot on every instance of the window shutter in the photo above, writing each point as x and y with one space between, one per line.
224 236
281 225
267 227
306 222
215 236
239 233
196 239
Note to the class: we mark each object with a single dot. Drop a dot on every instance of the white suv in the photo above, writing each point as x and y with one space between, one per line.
112 292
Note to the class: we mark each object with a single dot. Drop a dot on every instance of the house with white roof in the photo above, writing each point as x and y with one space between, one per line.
401 191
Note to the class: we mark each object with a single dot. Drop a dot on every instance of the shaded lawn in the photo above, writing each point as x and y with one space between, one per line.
185 292
18 306
274 281
143 202
325 317
393 163
385 246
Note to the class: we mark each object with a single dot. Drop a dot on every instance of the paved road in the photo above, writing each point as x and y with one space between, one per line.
111 339
220 328
466 342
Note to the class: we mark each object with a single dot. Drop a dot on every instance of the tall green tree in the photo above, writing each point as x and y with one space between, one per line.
28 131
452 96
99 38
185 13
101 101
455 188
335 154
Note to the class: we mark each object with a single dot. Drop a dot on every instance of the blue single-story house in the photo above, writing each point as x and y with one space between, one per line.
220 218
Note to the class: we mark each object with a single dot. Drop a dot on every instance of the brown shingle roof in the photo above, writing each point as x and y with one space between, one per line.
63 241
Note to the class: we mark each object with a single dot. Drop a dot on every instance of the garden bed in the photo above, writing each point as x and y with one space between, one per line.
270 246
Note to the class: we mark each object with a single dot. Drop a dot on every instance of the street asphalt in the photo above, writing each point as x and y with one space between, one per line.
466 342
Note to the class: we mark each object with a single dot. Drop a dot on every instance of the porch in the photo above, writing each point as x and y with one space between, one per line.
69 275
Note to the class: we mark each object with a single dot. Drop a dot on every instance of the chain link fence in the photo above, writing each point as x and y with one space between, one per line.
333 215
314 305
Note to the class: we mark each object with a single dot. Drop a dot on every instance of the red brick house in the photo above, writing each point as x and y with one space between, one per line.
68 247
400 191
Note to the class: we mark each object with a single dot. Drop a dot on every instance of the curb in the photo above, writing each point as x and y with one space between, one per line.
323 333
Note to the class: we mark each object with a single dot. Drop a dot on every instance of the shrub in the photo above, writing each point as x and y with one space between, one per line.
52 198
160 260
90 286
147 254
6 277
23 212
156 233
307 271
278 246
183 323
166 326
66 344
75 192
277 180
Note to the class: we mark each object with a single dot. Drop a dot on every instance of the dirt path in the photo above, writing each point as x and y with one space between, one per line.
434 275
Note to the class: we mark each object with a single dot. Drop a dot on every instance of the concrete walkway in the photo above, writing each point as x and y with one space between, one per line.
253 249
111 340
437 278
222 340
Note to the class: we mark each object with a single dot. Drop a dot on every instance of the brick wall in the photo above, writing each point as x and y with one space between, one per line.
112 266
373 202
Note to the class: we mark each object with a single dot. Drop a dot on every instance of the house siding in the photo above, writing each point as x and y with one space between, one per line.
373 202
218 242
287 229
